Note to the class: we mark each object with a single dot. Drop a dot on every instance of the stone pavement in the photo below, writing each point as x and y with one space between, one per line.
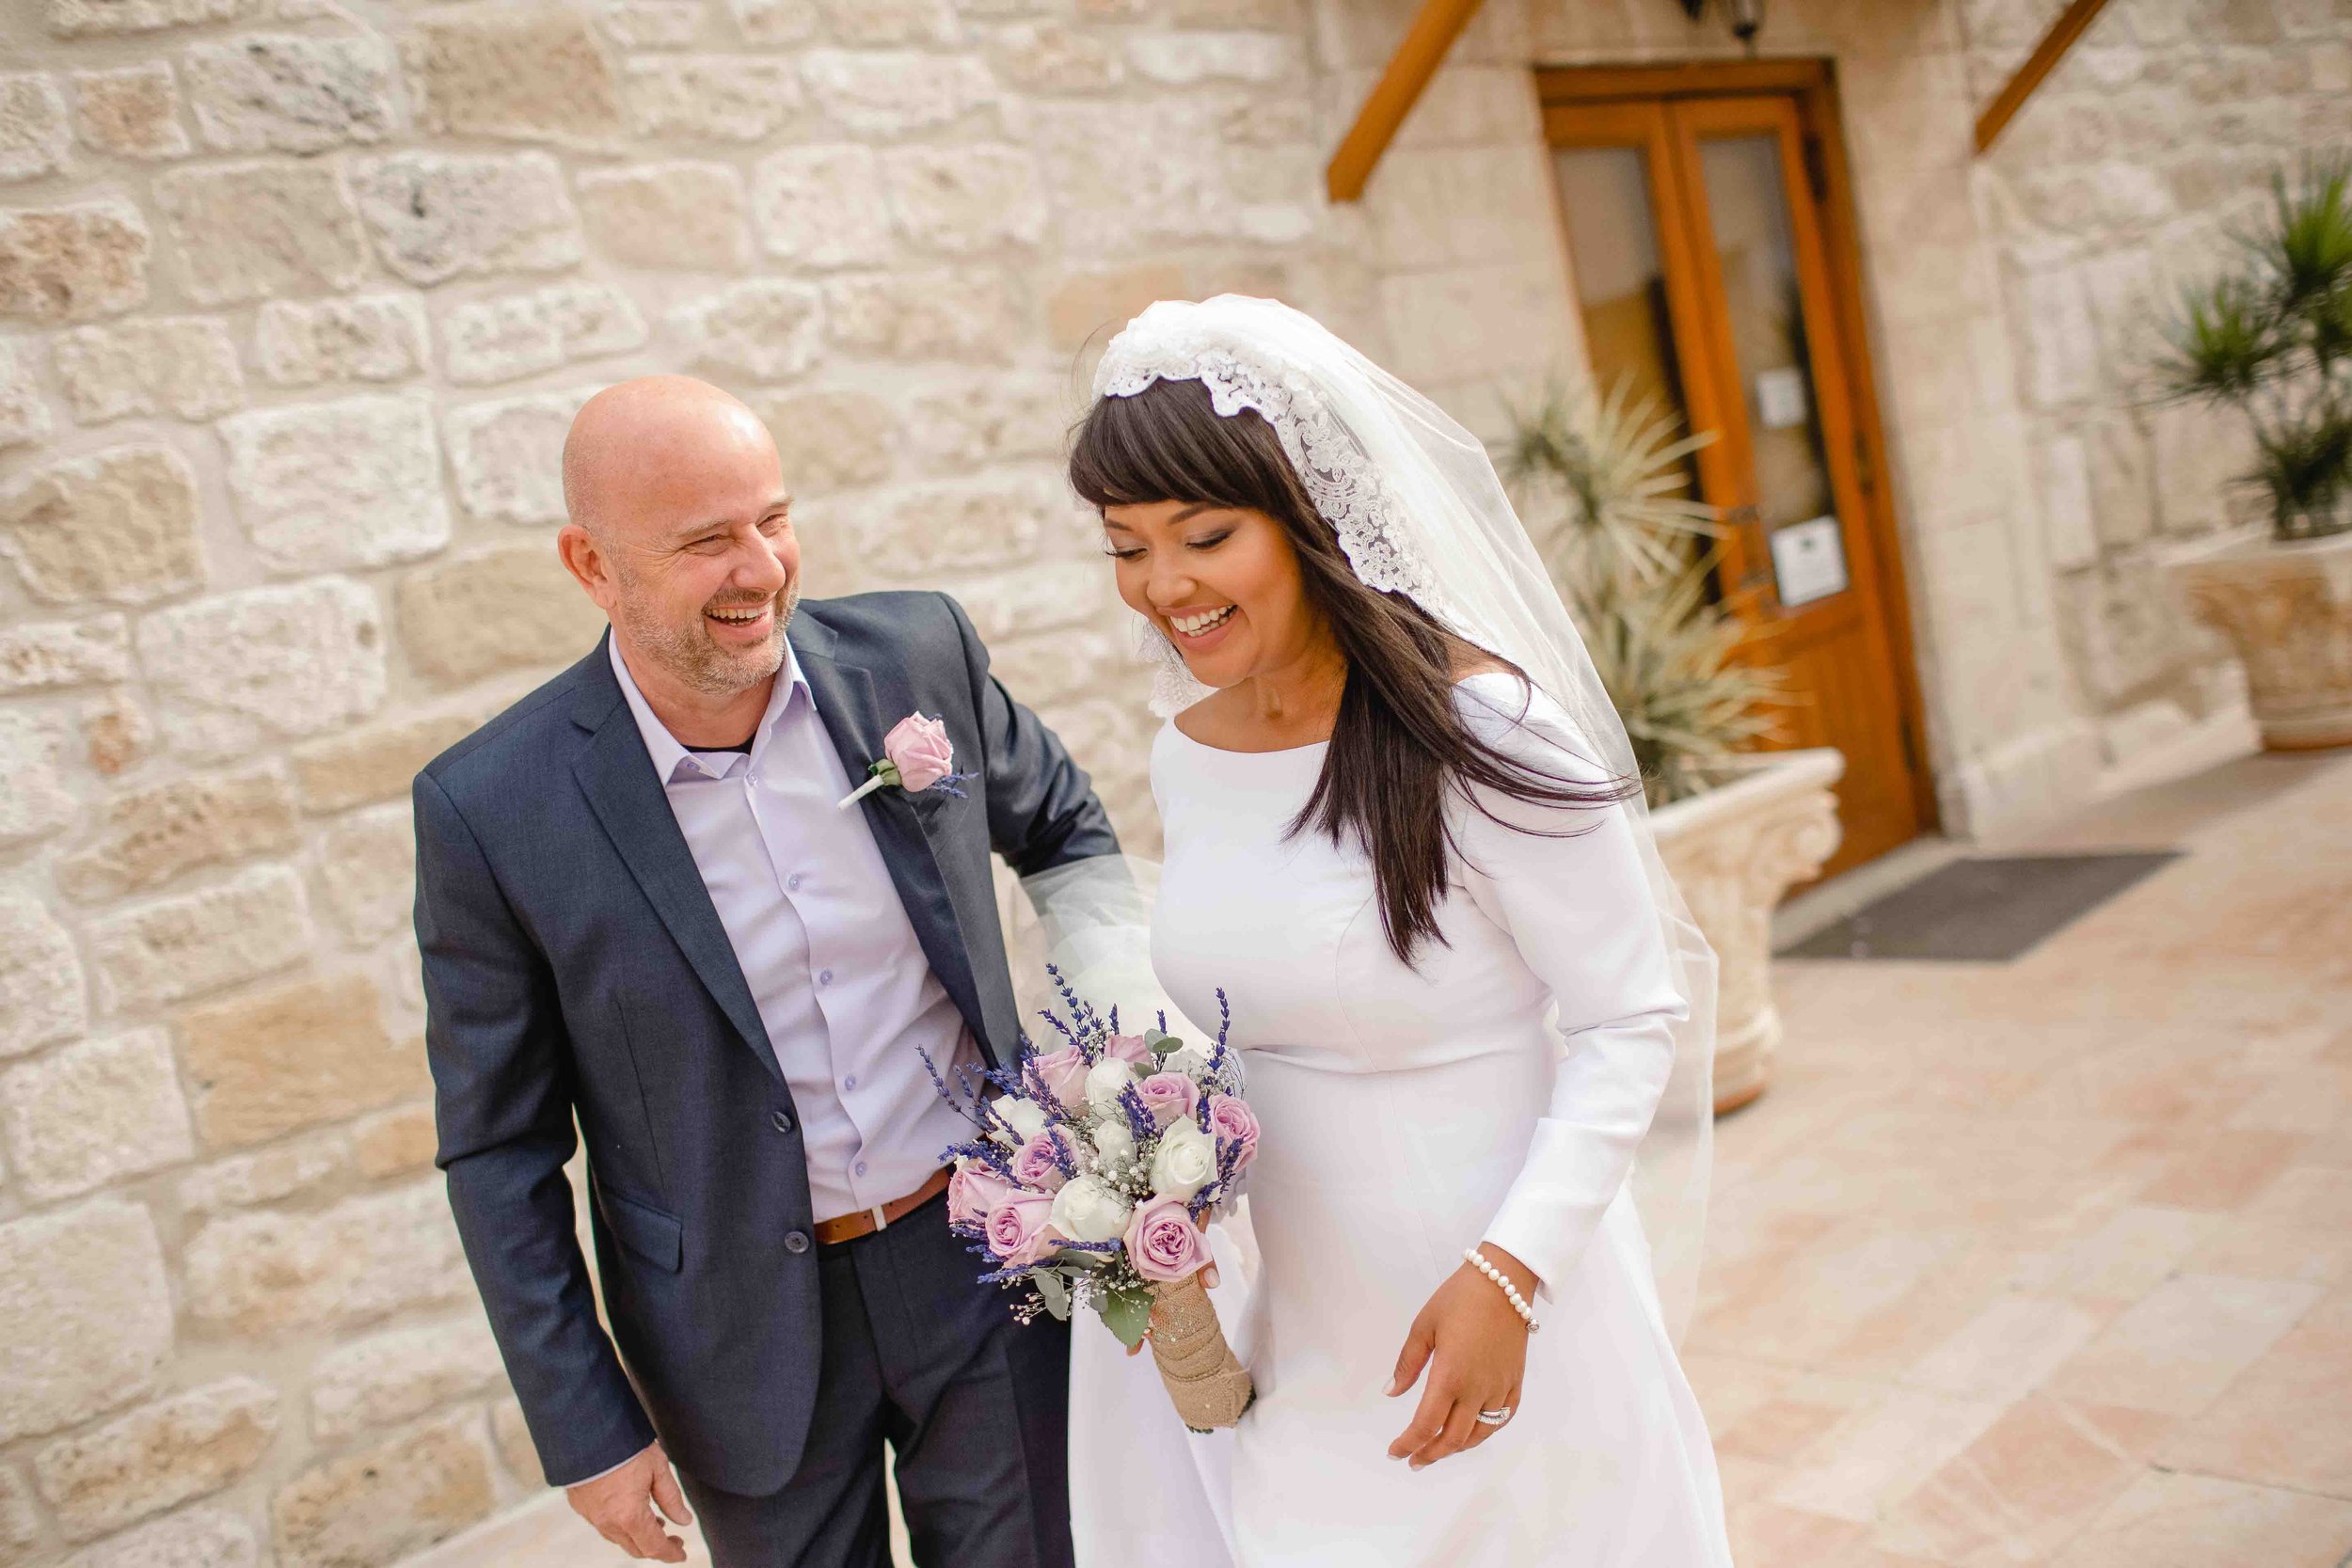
2048 1263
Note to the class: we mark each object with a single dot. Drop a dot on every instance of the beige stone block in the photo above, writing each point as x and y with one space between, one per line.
442 215
147 836
367 872
654 24
374 762
42 995
129 111
2122 475
889 92
1047 597
968 314
183 946
389 1378
266 1175
511 1434
84 1314
33 137
888 22
712 98
157 1457
364 338
94 1113
1051 57
1145 170
1058 668
117 733
961 199
118 524
531 73
287 93
1086 308
830 438
91 18
24 411
261 230
67 264
509 607
2067 527
312 1050
261 1271
200 1538
768 328
44 654
769 23
822 205
347 483
401 1142
20 1522
509 336
508 455
1188 59
674 216
291 660
918 532
183 365
384 1502
38 800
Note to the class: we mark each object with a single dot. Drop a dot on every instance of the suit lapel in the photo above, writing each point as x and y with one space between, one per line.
859 705
617 775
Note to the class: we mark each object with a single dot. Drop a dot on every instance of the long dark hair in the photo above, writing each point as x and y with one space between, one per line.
1400 744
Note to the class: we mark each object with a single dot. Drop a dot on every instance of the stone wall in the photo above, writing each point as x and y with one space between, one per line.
296 300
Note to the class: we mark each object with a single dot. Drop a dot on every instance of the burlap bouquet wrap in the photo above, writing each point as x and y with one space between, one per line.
1208 1382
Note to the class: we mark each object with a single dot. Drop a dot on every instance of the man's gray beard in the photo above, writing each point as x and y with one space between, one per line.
695 659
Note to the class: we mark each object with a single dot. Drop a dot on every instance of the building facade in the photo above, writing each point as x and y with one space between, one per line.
296 297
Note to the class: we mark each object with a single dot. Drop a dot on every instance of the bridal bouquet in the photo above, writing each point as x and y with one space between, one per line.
1096 1167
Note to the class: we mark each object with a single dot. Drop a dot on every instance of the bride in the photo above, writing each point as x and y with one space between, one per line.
1405 836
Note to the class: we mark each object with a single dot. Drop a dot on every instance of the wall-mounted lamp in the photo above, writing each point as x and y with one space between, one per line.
1746 17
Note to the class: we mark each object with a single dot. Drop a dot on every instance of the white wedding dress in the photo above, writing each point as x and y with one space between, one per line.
1497 1090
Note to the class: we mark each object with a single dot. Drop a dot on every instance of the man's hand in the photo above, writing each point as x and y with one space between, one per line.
618 1504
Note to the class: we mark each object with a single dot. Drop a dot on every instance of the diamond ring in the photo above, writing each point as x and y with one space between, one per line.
1494 1418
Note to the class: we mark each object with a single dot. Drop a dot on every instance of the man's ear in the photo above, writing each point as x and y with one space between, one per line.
584 559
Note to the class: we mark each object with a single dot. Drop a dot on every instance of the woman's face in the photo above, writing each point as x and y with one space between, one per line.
1222 583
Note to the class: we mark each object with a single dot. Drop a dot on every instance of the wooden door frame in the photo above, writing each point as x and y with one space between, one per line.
1813 83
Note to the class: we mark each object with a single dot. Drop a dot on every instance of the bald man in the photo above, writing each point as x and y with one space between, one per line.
642 912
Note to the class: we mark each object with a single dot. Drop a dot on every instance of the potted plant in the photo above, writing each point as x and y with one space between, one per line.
2273 340
1603 482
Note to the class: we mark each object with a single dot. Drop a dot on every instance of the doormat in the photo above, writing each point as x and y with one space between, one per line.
1984 910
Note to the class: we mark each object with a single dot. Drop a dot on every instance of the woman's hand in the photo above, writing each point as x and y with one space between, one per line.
1474 1346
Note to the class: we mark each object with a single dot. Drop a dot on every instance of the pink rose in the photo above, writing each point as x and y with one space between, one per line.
972 1191
919 750
1017 1232
1065 1074
1163 1245
1038 1167
1168 1096
1129 1048
1233 1122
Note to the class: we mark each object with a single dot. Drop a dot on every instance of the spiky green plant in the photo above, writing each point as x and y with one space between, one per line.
1603 479
2274 340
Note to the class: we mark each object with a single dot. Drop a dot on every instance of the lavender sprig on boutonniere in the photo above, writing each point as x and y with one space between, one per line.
916 756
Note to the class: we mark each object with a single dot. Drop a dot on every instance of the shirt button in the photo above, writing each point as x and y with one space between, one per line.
861 1168
752 779
824 976
850 1081
796 1242
792 883
780 1121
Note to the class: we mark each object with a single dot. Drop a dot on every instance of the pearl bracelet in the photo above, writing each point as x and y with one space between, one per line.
1477 1259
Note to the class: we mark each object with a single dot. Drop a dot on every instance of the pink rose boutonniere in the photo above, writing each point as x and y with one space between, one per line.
916 756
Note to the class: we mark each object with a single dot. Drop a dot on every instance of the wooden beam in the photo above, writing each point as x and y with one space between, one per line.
2071 24
1432 34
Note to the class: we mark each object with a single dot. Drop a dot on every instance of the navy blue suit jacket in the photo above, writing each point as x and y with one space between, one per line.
575 970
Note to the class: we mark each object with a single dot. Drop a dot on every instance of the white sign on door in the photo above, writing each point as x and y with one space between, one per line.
1809 560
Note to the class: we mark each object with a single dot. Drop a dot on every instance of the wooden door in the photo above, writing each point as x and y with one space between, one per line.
1701 228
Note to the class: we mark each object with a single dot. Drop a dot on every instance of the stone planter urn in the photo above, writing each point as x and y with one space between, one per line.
1734 850
2286 608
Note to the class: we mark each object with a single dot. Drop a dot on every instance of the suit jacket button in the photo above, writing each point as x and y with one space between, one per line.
781 1120
796 1242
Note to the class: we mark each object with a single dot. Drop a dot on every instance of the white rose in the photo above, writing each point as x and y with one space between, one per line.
1114 1146
1026 1117
1191 1059
1105 1080
1186 1162
1089 1209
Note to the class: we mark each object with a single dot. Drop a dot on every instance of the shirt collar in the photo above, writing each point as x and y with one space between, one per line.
668 756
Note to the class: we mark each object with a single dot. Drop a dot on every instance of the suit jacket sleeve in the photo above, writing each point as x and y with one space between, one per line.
1042 807
502 1074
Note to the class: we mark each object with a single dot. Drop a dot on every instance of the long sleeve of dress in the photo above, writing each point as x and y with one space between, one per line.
1580 910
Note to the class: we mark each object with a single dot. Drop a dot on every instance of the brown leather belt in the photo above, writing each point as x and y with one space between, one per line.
849 1228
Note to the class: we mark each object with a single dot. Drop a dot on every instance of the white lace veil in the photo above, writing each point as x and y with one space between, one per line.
1420 511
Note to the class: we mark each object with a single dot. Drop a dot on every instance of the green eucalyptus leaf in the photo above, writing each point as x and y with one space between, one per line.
1053 1292
1127 1313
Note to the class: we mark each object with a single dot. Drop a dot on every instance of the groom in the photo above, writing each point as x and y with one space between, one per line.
641 911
